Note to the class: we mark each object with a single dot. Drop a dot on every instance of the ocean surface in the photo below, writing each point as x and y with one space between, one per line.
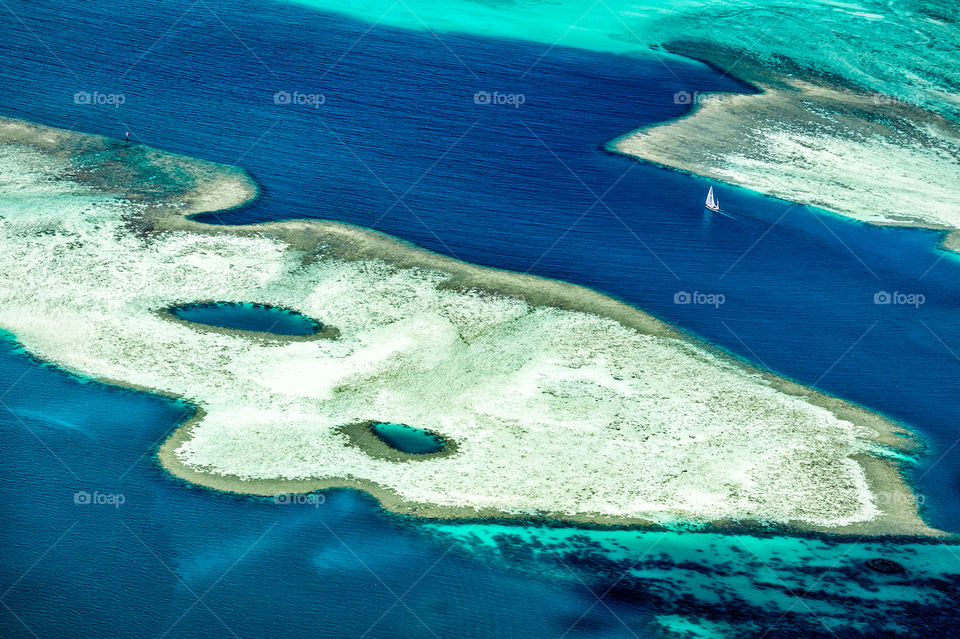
489 150
905 50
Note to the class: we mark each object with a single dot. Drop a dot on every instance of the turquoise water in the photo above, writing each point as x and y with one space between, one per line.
739 582
906 50
485 185
247 316
408 439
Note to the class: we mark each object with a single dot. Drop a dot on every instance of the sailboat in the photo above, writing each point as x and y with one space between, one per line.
712 203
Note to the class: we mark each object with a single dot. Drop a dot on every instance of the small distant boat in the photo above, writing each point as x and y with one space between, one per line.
712 203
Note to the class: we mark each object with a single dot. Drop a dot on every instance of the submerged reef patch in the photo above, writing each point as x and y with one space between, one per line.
735 585
554 401
885 566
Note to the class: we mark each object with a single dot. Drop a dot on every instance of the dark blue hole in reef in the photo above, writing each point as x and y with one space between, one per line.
407 439
247 316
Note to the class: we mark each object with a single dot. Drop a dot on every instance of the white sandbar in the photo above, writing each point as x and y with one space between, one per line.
562 403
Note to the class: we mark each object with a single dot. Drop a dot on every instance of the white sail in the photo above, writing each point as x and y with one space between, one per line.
711 202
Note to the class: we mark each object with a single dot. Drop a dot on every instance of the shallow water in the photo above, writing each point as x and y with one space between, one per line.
904 49
246 316
738 584
510 187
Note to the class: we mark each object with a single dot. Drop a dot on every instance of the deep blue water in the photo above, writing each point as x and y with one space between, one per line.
408 439
526 188
247 317
78 561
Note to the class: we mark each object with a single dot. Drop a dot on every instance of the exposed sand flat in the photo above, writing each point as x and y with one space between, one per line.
563 403
866 156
